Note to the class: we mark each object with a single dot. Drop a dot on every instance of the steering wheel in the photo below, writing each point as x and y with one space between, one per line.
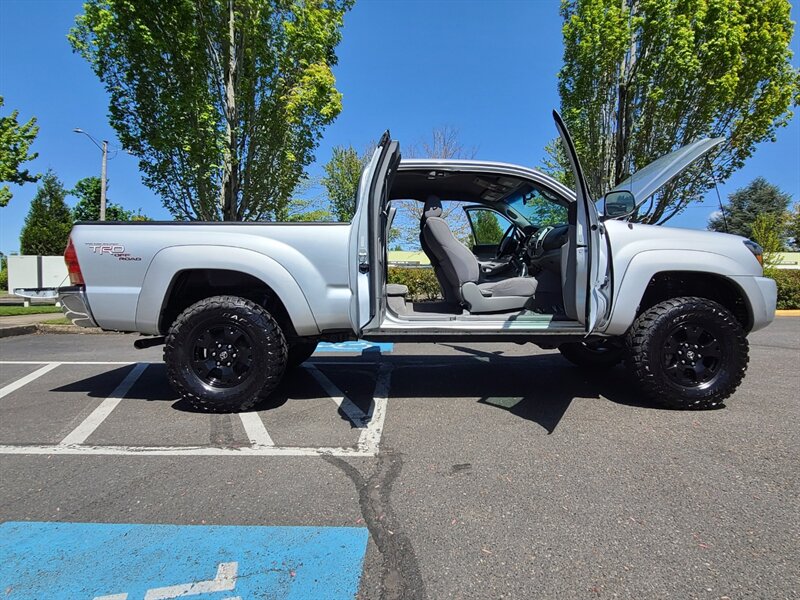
536 249
507 243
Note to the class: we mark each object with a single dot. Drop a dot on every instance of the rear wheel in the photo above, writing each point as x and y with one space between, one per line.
299 352
596 354
688 353
225 353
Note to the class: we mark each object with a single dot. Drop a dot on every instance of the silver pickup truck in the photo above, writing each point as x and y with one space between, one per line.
236 304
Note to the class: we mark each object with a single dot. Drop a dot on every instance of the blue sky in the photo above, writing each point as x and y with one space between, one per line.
487 68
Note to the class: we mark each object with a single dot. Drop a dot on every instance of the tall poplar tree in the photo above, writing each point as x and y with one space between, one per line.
222 101
644 77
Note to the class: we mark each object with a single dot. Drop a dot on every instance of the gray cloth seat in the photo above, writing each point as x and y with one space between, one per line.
458 271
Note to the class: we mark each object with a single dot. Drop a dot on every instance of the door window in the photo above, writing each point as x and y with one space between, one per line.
487 226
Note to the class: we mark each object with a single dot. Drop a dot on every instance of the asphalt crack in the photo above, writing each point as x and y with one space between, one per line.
400 578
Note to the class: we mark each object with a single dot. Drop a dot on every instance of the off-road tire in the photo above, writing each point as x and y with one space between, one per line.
655 354
608 353
260 339
299 352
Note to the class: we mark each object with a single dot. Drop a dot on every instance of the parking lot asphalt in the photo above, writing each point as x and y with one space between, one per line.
500 471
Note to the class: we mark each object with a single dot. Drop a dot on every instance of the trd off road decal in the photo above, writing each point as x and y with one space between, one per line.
112 249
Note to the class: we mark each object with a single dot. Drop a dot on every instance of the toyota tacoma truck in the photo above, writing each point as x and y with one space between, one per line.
237 304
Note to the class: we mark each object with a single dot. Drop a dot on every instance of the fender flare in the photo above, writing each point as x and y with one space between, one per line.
171 261
649 263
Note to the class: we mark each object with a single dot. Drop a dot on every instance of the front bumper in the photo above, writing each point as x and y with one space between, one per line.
762 295
76 306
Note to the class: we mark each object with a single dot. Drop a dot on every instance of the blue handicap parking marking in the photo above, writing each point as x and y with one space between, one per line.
359 347
95 561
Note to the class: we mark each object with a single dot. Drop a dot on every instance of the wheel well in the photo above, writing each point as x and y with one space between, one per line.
673 284
188 287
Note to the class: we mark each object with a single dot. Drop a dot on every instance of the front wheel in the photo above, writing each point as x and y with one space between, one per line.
688 353
225 353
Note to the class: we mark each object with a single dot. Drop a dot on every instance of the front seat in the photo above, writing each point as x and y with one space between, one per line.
458 271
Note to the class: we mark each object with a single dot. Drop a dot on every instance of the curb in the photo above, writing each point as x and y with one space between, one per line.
788 313
17 330
45 328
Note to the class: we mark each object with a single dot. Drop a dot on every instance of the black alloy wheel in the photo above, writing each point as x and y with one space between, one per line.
688 353
222 355
692 356
225 353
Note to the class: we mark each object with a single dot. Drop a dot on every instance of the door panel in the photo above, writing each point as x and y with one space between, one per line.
368 236
587 264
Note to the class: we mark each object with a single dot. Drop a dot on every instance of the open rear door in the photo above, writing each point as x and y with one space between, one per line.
587 278
368 236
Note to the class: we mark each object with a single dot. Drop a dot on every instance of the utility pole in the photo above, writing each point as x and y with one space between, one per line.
104 148
103 182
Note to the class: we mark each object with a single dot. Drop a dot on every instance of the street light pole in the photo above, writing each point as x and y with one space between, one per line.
104 148
103 182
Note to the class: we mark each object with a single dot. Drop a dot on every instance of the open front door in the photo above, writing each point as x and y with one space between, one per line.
585 272
368 236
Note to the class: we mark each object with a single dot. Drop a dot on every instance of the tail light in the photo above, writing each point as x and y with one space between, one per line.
73 268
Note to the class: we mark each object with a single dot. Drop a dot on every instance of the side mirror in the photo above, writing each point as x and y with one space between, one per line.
618 204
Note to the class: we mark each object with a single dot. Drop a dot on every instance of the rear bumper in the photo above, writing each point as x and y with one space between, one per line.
76 306
762 295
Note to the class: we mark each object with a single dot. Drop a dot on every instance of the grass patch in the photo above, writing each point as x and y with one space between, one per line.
61 321
13 311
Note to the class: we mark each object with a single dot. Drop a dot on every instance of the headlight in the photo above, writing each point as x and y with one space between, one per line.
757 251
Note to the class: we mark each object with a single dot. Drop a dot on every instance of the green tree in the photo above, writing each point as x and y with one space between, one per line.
768 233
87 191
49 220
3 272
222 101
793 226
342 174
759 197
644 77
487 227
15 141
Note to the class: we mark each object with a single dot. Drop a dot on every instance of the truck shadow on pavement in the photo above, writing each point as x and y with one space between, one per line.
539 388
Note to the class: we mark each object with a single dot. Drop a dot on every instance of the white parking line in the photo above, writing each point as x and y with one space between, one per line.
71 362
99 414
355 414
255 430
12 387
371 424
370 438
186 451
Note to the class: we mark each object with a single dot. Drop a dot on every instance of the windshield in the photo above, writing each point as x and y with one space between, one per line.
537 206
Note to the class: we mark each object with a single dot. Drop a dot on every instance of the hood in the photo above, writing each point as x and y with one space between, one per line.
647 181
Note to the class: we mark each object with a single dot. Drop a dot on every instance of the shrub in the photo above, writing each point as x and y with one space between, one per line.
4 277
422 283
788 281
